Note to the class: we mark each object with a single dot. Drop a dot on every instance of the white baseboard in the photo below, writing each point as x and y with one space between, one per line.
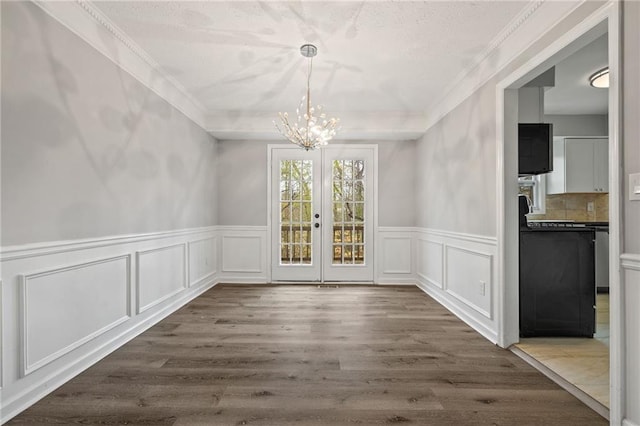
397 281
461 313
242 280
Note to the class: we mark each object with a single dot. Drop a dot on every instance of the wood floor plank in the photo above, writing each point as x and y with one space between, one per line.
309 355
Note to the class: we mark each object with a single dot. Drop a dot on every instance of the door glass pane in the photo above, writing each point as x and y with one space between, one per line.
295 212
348 197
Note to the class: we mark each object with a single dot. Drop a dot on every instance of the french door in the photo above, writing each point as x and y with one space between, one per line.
322 213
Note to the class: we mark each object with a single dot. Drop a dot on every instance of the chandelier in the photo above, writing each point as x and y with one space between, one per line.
312 129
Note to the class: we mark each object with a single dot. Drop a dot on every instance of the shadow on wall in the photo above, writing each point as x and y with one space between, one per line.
87 148
457 179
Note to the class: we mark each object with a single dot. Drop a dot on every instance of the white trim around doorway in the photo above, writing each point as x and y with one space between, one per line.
507 276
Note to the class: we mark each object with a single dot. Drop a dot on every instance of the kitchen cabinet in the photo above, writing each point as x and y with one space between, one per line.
557 283
579 165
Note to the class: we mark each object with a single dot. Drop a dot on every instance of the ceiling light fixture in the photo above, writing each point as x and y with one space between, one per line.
600 79
310 131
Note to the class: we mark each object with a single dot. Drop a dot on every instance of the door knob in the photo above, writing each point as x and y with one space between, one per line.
317 225
316 215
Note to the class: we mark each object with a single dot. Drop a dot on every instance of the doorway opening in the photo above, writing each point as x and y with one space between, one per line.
558 356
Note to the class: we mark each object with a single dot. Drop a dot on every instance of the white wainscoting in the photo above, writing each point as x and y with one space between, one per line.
430 265
631 281
65 305
161 275
53 301
243 253
144 278
202 260
395 255
458 270
471 284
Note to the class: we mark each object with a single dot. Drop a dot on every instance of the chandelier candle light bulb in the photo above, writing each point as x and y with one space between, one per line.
309 131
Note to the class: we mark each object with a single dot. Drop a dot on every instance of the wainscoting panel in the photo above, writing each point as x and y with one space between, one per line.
471 284
395 255
430 262
202 260
97 292
68 304
244 254
458 271
631 281
396 252
161 274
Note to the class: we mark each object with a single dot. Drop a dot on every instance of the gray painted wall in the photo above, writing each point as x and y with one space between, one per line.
631 129
242 183
242 178
579 125
396 183
87 150
456 158
456 169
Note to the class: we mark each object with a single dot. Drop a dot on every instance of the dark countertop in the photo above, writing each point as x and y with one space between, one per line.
566 225
560 229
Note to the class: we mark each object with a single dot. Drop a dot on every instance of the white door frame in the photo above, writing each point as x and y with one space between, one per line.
374 245
507 207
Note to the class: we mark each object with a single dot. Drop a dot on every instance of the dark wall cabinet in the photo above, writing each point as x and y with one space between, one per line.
557 283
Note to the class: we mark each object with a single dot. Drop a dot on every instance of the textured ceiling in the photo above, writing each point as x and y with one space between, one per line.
373 57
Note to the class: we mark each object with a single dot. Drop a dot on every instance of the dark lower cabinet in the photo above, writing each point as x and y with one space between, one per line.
557 283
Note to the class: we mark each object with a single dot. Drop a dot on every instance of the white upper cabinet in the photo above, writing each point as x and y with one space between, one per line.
579 165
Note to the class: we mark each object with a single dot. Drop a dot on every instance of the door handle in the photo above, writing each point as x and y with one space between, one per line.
317 225
316 215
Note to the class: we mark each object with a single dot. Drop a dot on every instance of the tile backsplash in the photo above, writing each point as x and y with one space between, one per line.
575 207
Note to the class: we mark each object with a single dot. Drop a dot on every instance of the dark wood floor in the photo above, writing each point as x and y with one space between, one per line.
281 355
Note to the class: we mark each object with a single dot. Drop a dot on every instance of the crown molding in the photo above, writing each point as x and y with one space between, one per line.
81 17
378 125
517 36
87 22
